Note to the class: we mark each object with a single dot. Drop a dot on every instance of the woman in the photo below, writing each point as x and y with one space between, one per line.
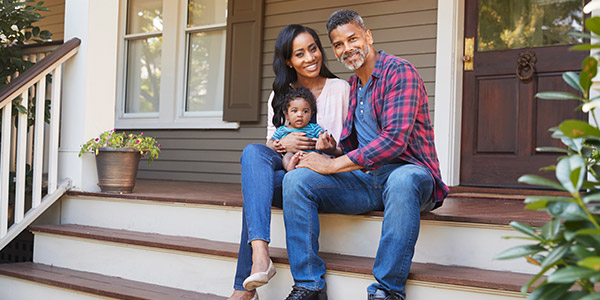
297 62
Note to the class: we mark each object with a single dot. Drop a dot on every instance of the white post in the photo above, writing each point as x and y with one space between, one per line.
89 85
5 167
448 87
38 142
21 159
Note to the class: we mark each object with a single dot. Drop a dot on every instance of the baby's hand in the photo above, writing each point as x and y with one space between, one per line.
326 143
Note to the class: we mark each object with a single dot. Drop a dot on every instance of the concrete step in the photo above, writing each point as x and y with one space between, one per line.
208 266
32 281
465 231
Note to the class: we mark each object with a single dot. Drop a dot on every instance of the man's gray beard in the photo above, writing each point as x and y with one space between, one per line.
362 55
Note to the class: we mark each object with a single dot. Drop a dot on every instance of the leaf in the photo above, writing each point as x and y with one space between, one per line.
591 262
532 199
567 211
581 252
571 274
588 231
572 79
574 295
551 149
524 228
584 47
538 180
578 128
594 296
538 205
589 69
555 255
590 106
519 251
558 96
552 291
35 31
551 229
593 24
570 171
591 197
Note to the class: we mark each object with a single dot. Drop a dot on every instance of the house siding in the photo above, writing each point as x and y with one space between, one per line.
404 28
54 18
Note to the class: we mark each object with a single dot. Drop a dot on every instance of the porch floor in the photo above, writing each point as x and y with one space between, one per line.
462 205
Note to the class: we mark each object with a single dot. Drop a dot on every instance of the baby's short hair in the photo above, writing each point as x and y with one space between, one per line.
303 93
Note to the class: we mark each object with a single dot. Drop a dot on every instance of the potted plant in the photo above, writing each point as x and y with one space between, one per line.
567 248
118 156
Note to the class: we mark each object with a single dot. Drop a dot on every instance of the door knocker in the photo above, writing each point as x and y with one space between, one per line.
526 65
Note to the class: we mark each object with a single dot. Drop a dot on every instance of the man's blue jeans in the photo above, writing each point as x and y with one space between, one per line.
402 191
262 174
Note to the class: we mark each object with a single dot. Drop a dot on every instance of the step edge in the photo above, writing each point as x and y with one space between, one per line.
278 255
92 278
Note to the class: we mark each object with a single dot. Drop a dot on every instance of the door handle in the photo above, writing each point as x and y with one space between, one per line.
469 53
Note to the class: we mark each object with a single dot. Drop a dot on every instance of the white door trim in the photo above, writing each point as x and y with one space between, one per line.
448 87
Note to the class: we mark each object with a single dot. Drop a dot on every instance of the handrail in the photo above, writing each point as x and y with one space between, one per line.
44 151
57 56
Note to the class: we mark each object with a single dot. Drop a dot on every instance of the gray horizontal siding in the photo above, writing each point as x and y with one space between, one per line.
404 28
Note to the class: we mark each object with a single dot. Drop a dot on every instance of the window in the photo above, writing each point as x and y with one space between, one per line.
172 66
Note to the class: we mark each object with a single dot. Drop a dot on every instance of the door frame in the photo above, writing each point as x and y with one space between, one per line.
449 87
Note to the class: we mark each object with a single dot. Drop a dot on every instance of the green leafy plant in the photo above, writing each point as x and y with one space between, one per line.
567 248
16 28
147 146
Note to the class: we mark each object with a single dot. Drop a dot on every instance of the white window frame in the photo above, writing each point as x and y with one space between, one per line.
173 85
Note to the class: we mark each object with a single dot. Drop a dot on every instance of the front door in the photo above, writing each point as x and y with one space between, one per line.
520 48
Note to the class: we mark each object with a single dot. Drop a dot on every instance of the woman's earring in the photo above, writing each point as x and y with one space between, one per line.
290 66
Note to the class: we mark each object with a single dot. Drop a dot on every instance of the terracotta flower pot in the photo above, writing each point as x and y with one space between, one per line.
117 169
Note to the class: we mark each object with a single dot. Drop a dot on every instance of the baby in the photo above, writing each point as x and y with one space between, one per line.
300 106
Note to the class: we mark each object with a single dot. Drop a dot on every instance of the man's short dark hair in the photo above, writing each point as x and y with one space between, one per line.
343 17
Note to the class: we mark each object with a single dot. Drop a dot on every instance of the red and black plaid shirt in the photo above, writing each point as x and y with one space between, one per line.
400 107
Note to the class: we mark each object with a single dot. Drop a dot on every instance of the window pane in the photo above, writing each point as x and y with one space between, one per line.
513 24
144 16
206 12
206 66
143 75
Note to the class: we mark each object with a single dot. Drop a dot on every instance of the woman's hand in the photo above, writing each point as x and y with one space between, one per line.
297 141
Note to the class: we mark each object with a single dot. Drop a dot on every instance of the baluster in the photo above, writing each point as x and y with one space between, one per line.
38 144
5 167
21 159
54 118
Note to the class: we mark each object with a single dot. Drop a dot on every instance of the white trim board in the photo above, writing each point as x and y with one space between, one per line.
448 87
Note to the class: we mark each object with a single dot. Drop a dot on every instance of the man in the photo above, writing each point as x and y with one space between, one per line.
389 163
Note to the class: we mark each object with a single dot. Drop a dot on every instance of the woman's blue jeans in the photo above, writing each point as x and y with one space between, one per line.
262 174
402 191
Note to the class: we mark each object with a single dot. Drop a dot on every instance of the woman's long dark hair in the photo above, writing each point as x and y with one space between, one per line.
284 75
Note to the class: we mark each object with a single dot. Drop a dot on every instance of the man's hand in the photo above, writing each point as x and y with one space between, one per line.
316 162
324 165
297 141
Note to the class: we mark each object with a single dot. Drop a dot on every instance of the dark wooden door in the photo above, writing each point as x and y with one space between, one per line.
502 122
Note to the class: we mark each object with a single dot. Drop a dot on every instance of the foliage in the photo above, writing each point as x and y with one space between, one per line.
527 23
16 19
569 244
112 139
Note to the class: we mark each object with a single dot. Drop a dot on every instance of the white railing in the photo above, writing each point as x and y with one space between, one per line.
27 145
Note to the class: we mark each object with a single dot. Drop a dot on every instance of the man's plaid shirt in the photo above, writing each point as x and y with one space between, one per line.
400 107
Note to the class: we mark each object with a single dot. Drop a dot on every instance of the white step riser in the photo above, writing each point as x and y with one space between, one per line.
17 289
212 274
447 243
